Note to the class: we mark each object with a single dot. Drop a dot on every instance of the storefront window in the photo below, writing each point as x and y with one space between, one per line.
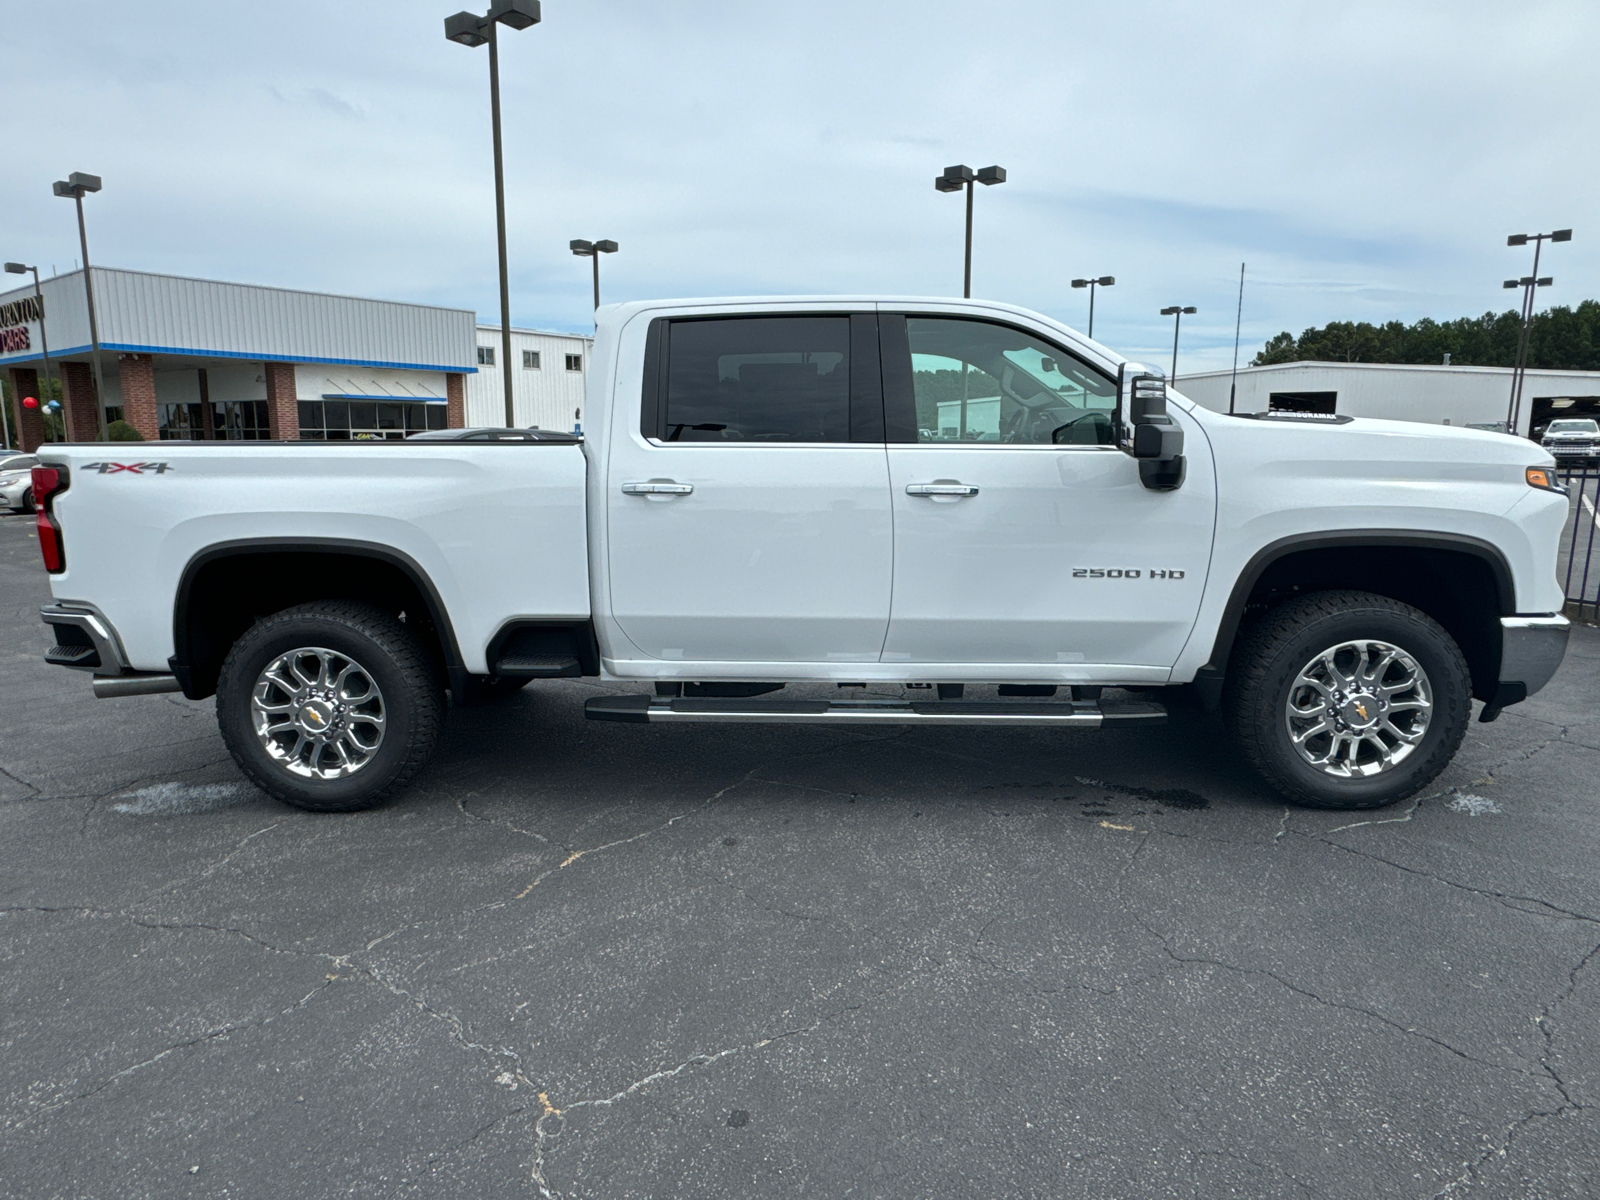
366 420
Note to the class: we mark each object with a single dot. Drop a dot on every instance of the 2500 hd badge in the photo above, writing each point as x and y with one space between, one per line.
1121 573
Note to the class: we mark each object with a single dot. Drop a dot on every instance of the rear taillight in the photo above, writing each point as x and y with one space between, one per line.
49 482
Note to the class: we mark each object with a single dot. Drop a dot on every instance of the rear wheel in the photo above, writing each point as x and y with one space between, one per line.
1348 700
329 706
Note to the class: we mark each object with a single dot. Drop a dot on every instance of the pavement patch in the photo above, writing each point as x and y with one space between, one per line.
181 799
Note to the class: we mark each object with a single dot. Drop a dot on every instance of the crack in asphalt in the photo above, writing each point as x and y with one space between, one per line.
1408 1030
1511 900
461 806
548 1137
21 782
209 1036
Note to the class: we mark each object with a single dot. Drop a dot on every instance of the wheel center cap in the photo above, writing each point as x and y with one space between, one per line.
1360 711
315 717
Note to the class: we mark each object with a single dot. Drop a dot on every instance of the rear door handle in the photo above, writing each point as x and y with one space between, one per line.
941 489
657 487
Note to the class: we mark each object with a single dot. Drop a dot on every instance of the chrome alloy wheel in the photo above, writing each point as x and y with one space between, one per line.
318 713
1359 708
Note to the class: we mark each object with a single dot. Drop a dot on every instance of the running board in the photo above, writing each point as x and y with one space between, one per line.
1082 714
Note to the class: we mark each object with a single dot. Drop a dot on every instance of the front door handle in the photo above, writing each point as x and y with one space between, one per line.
657 487
941 489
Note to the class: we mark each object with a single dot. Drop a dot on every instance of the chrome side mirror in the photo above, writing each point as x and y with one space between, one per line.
1145 431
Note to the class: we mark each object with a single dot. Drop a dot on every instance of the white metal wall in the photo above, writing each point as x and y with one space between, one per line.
1431 394
166 313
547 397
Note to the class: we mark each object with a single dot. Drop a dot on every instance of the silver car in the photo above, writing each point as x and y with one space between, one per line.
1573 440
16 481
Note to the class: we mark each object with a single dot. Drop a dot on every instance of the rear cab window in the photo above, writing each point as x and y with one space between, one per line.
769 378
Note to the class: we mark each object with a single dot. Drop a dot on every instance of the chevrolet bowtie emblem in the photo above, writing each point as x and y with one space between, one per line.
1362 709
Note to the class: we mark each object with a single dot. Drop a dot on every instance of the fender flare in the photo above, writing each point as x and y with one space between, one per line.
1210 676
348 547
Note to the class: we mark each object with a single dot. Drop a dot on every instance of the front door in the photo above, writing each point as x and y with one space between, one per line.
1022 535
749 516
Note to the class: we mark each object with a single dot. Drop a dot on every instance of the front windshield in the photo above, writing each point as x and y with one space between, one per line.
1573 427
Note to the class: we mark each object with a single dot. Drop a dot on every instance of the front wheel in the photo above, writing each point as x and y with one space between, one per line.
1348 699
329 706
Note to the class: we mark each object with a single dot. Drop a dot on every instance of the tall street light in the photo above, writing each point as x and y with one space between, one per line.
468 29
44 340
593 250
1177 314
1091 284
1528 283
75 186
953 180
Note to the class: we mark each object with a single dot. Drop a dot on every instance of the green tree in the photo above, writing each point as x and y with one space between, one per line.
1559 338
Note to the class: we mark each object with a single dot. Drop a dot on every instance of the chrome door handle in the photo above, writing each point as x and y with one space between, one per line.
657 487
941 489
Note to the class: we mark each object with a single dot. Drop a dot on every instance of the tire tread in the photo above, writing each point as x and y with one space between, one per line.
1246 694
392 638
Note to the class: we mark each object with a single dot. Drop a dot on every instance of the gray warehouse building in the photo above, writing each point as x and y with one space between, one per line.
1435 394
196 358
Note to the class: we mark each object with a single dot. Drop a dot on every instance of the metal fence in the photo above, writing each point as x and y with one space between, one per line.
1577 563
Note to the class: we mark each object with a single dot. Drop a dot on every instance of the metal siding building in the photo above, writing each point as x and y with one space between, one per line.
1437 395
203 358
547 396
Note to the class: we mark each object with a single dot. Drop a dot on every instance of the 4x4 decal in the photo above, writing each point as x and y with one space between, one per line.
111 468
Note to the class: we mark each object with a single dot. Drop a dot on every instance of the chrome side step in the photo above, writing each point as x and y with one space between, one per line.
1081 714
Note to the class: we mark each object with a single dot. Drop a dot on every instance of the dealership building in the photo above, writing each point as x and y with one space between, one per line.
1437 395
203 359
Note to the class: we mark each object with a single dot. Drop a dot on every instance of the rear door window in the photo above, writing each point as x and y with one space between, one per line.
758 379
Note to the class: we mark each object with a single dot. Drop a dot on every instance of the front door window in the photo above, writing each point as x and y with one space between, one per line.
974 381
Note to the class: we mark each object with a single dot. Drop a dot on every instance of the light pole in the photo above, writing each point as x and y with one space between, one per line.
468 29
1177 314
44 340
953 180
1091 284
75 186
593 250
1528 283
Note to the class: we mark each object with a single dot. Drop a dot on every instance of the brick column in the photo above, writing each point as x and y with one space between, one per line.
139 394
29 424
455 391
78 401
283 411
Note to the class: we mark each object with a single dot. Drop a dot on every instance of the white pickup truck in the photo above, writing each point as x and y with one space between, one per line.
982 515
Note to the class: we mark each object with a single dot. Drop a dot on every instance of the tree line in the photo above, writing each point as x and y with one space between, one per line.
1560 338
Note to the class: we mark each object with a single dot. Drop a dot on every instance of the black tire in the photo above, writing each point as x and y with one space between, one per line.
486 689
386 650
1264 666
27 501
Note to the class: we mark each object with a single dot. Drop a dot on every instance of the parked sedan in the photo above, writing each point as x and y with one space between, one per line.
16 481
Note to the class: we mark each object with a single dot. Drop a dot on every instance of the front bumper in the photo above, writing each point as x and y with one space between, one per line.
11 493
1531 648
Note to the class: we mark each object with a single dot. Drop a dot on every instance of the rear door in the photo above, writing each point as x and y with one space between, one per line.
1022 534
748 508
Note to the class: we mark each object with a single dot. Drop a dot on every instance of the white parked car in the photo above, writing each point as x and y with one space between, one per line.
1573 441
964 500
16 481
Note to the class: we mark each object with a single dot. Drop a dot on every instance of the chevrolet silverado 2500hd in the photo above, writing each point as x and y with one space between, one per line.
936 495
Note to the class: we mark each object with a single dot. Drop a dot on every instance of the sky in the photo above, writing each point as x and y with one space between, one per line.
1365 160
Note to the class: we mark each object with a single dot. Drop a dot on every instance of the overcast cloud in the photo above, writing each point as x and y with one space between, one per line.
1366 159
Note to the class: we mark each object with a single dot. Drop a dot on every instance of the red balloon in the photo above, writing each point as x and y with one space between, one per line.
29 402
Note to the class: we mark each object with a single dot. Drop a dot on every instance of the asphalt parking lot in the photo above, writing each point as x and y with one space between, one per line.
589 960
